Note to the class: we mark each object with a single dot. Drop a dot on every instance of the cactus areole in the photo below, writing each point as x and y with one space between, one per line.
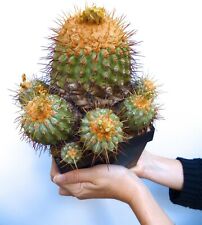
91 106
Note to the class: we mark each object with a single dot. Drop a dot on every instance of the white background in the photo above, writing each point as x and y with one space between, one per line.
171 32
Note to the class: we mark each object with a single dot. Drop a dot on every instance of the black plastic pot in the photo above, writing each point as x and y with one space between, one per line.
128 155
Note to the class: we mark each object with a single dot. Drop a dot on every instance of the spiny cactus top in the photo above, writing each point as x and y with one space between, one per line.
30 89
101 130
71 153
92 99
47 119
93 50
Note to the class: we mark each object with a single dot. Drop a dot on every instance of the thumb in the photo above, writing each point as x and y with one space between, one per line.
75 176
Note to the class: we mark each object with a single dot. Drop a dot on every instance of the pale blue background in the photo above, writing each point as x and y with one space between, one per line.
171 33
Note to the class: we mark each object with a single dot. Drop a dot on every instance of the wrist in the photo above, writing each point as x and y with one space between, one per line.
146 208
141 203
150 167
139 190
133 188
165 171
147 164
130 186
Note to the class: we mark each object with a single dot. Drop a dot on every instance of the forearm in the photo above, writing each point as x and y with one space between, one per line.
146 208
168 172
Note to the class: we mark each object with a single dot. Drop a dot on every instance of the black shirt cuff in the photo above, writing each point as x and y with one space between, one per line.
191 193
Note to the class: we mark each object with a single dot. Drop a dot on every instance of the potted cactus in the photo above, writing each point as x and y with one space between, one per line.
91 108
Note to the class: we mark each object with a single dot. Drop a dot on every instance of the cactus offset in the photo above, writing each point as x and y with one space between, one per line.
30 89
101 131
71 153
47 119
147 87
139 111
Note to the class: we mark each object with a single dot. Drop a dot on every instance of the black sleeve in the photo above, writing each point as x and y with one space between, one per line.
191 194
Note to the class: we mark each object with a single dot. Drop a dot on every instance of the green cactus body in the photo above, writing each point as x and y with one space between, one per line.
146 87
91 48
71 153
101 131
139 112
47 119
30 89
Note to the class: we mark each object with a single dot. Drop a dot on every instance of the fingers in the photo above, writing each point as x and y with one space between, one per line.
54 170
75 176
73 183
63 191
71 190
78 190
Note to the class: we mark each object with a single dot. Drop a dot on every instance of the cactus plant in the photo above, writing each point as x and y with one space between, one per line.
71 153
101 131
92 99
139 111
147 87
92 50
47 119
30 89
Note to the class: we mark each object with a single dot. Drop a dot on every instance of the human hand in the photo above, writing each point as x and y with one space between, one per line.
145 164
111 181
165 171
101 181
